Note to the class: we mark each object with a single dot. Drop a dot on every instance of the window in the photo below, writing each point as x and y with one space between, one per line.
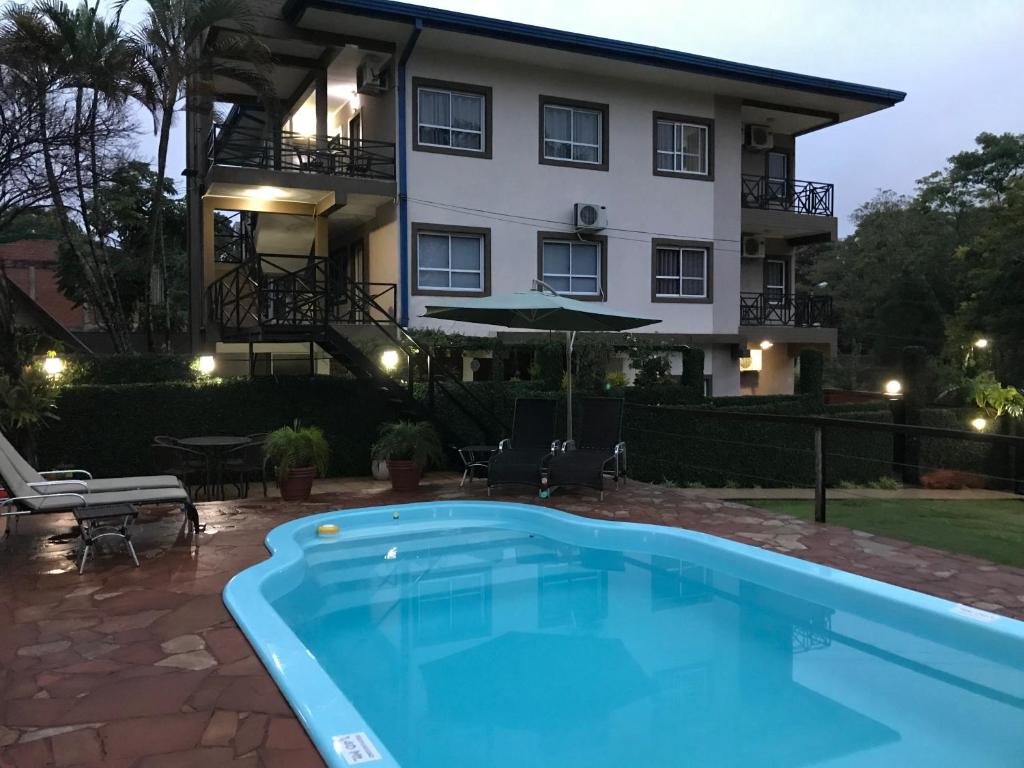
573 267
775 280
680 271
777 171
683 146
453 118
451 260
573 133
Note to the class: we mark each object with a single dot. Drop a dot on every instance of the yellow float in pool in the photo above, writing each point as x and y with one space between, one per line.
328 529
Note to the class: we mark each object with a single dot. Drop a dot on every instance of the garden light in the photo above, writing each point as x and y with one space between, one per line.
389 359
206 365
766 344
981 344
53 366
979 423
893 387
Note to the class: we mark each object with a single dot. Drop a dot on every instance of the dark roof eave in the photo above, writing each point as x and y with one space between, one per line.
595 46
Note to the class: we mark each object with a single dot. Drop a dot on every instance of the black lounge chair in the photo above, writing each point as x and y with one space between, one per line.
599 452
520 459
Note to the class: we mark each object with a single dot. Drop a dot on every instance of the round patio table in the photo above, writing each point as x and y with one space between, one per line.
215 446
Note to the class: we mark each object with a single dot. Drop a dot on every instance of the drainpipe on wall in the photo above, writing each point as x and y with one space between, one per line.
403 181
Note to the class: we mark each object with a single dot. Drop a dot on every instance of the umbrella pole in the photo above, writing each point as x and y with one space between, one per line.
570 339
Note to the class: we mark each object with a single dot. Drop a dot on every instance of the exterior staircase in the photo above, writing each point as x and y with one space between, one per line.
260 300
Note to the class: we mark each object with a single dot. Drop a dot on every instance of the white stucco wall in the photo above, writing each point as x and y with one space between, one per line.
514 182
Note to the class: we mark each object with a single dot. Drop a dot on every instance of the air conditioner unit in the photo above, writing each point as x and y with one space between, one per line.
589 217
372 78
753 247
759 137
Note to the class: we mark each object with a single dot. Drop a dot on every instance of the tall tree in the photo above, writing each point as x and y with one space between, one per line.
178 52
77 68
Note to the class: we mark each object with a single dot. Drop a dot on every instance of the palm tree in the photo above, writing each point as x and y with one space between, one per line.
177 54
61 55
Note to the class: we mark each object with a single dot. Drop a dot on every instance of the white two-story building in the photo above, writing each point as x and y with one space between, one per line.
414 155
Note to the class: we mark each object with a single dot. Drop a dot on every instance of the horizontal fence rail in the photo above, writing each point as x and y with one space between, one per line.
330 155
814 198
822 426
798 309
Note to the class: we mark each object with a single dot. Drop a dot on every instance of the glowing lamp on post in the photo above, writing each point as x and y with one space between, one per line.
893 387
979 423
981 344
206 365
53 366
389 360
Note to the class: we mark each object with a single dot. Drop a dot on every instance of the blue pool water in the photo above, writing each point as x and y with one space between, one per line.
474 635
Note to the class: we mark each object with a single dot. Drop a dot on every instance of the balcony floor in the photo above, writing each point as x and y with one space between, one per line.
144 668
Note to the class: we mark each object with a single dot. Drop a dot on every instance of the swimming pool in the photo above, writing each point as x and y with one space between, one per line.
493 635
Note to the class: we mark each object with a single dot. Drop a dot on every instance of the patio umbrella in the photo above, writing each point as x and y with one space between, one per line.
542 309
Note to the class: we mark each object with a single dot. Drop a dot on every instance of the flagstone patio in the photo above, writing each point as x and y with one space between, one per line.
144 668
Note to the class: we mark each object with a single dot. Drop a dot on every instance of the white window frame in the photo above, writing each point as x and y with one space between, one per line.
678 249
769 286
572 143
449 92
570 275
678 154
449 270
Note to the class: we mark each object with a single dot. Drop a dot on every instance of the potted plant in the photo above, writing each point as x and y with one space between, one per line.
299 454
408 447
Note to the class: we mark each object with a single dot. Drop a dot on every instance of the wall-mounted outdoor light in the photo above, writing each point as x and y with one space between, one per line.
206 365
53 366
981 344
893 387
389 360
766 344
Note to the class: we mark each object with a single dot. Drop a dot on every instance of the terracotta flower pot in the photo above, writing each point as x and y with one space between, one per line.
297 484
405 475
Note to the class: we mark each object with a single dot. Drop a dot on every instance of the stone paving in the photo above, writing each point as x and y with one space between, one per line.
144 668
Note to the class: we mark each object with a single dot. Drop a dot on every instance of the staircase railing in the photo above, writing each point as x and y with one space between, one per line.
264 293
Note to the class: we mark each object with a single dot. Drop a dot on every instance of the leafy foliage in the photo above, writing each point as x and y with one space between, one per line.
26 403
295 447
994 398
409 441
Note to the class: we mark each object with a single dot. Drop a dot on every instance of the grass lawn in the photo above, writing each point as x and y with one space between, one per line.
993 530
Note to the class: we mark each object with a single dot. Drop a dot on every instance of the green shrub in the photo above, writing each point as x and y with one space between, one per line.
409 441
297 447
812 374
108 429
129 369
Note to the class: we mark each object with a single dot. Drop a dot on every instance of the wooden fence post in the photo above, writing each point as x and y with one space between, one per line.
819 474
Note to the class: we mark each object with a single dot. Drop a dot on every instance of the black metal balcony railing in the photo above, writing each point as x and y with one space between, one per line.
799 309
263 292
810 197
330 155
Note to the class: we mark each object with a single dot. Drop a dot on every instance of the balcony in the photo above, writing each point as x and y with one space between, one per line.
813 198
793 309
292 152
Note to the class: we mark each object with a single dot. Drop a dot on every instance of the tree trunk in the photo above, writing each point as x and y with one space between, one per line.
156 208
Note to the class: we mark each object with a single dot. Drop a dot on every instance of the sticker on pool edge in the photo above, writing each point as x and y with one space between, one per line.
356 748
975 613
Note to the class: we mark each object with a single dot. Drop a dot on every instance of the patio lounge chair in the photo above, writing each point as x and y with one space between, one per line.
68 495
599 452
520 459
80 479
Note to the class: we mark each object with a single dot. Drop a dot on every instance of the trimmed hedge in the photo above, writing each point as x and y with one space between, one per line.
130 369
687 447
108 429
665 442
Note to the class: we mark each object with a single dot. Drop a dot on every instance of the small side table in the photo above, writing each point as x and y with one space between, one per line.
474 457
108 520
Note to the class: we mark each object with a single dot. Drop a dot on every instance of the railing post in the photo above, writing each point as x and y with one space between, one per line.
819 474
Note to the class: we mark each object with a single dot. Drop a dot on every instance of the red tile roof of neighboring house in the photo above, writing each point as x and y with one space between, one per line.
29 250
